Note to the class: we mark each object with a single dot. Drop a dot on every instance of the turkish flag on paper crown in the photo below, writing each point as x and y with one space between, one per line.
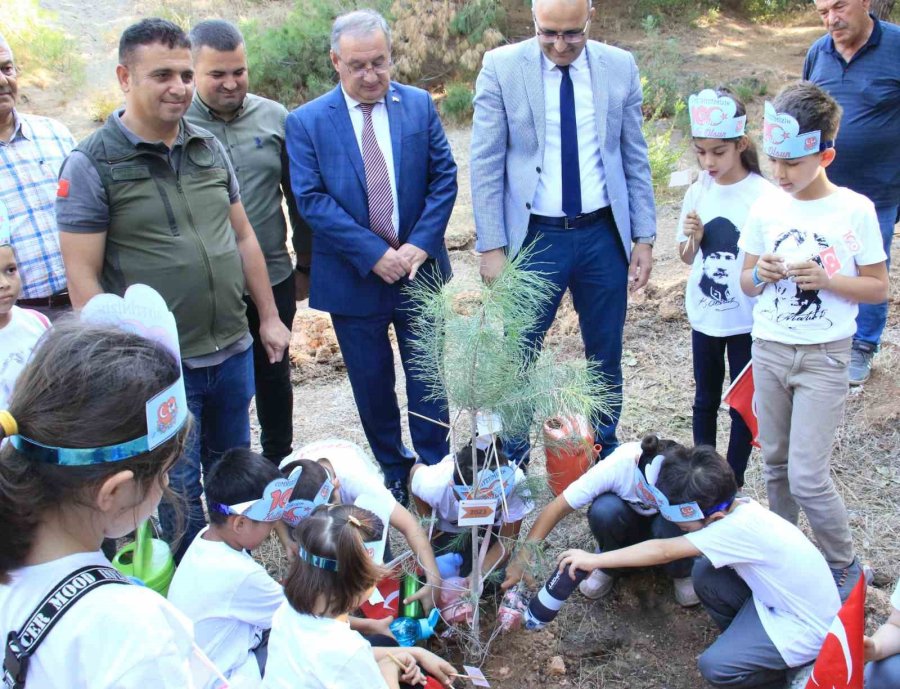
840 662
739 396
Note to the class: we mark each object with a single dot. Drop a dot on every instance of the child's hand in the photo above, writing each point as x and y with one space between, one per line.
288 543
771 268
436 666
382 627
870 649
577 559
515 572
809 275
412 673
693 228
426 595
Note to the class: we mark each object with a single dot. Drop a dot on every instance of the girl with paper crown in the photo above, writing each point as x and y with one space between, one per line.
87 459
714 210
312 645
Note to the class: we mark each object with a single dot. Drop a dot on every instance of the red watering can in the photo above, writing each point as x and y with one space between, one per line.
570 450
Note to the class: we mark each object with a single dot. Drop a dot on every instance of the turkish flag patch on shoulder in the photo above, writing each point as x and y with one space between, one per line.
62 189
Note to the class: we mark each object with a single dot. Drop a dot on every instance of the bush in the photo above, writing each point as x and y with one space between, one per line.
41 50
456 105
663 83
663 154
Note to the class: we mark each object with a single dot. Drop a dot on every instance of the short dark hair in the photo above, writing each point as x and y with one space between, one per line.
329 532
216 34
698 475
148 32
312 477
812 107
464 461
239 475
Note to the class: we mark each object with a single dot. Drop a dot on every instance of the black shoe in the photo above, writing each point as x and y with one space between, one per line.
398 490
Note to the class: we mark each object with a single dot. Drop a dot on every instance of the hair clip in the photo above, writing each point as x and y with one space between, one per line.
8 424
325 563
353 520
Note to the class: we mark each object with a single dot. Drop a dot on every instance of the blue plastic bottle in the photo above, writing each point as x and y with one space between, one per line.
409 631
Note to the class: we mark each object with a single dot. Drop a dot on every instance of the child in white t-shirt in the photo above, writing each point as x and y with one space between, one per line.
355 481
617 516
20 329
812 255
436 490
712 215
229 596
883 650
312 645
764 584
88 386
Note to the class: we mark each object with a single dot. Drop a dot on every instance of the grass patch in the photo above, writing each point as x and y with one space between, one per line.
661 151
104 103
456 105
42 52
749 89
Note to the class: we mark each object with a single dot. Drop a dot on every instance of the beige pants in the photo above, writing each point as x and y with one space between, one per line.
800 395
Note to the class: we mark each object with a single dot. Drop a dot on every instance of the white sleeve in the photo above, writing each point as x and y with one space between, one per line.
361 670
687 205
612 475
871 249
751 239
895 597
256 599
732 540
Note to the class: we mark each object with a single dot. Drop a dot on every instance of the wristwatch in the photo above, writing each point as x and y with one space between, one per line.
646 240
303 270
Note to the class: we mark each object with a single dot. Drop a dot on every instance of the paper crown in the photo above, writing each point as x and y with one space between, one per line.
712 116
141 311
653 497
490 483
270 507
297 510
782 137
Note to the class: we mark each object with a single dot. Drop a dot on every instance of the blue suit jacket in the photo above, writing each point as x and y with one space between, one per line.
329 183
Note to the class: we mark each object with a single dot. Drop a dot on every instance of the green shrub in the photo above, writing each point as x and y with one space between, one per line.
748 88
475 17
761 10
663 154
456 105
42 51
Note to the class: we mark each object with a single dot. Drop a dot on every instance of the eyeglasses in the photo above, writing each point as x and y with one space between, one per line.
362 72
572 36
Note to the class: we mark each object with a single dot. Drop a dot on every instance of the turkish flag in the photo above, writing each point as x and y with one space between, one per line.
739 396
840 662
389 589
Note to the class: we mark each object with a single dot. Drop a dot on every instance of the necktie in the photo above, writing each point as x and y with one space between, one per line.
568 131
381 201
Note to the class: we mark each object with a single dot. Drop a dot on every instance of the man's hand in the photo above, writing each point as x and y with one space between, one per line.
415 256
641 264
808 275
771 268
274 337
492 263
392 266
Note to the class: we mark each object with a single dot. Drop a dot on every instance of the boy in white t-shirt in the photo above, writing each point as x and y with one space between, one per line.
883 650
764 584
229 596
20 329
812 255
436 491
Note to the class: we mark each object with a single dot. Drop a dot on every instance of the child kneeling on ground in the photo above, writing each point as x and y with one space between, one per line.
764 584
229 596
617 516
312 645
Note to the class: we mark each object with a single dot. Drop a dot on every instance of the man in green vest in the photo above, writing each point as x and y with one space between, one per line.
251 129
148 198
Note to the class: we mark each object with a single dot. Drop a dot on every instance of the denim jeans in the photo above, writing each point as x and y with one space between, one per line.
274 392
219 398
871 318
709 375
590 261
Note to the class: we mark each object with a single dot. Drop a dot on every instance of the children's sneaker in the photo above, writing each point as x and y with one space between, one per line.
845 578
684 592
861 356
597 585
798 677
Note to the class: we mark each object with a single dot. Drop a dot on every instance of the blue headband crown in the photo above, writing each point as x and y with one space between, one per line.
686 512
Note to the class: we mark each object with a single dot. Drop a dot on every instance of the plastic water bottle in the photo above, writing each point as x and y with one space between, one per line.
409 587
545 606
512 609
408 631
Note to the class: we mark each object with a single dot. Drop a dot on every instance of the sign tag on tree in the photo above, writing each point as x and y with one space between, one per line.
477 512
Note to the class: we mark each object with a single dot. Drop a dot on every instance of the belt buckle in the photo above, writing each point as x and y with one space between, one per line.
566 223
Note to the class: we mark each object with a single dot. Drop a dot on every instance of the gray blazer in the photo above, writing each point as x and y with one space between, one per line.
508 143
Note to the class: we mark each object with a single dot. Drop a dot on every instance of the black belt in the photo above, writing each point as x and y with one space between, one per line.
604 213
53 301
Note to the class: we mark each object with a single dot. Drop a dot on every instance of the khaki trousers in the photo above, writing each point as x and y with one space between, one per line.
800 395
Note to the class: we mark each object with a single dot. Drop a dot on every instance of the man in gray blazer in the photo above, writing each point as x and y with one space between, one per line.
559 164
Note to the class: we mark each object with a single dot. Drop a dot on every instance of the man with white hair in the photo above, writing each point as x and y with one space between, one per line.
32 149
559 166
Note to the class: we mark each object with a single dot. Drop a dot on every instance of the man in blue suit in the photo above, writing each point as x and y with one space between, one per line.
559 164
374 177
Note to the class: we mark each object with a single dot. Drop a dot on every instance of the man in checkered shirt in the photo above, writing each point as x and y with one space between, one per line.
32 149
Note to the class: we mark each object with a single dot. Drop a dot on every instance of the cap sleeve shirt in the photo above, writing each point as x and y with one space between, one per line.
434 485
17 341
716 304
840 233
793 590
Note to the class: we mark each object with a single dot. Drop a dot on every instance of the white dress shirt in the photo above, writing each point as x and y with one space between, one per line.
548 195
383 135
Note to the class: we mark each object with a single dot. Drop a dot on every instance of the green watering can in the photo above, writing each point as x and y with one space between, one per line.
147 559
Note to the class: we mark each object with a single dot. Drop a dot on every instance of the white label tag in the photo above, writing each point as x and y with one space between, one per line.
476 675
477 512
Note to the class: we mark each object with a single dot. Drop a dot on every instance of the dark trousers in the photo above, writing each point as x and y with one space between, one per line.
369 358
743 656
615 525
274 392
709 375
589 261
871 318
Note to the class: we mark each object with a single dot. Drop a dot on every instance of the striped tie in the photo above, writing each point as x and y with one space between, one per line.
381 201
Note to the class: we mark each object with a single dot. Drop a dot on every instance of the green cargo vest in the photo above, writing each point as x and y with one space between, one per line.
171 230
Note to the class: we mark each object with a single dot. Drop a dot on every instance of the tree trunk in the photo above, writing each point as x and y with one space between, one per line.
882 8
